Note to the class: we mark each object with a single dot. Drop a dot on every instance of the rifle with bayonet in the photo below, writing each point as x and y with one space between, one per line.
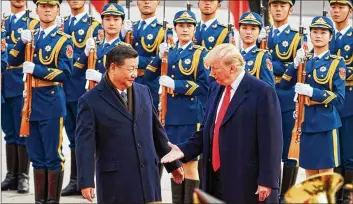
294 148
129 36
27 78
263 43
92 55
230 27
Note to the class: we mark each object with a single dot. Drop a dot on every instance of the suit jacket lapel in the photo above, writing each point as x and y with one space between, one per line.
239 96
107 94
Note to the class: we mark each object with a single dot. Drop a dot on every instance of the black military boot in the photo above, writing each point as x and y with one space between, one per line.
40 186
289 178
339 196
189 187
23 169
10 182
71 188
177 192
348 179
55 182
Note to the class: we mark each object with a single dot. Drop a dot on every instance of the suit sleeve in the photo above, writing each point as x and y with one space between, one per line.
160 139
195 87
269 138
64 69
85 144
336 96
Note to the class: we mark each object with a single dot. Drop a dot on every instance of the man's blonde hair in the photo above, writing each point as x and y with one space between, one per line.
227 53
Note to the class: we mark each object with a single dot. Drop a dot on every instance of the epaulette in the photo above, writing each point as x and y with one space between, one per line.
66 18
199 47
6 17
122 43
222 25
64 34
261 50
335 57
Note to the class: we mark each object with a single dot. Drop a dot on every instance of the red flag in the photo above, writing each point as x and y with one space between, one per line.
99 4
238 7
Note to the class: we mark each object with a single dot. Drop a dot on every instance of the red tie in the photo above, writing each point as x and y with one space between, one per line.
215 146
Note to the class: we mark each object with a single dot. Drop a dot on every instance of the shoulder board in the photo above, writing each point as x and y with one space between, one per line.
64 34
220 24
6 17
134 23
198 47
122 43
66 18
335 57
261 50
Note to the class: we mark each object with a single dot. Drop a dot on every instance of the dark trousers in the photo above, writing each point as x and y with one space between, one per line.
70 122
216 185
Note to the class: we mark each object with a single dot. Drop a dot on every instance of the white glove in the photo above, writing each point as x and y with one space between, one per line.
304 89
262 35
126 28
295 99
93 75
58 21
162 48
26 36
90 44
295 115
24 92
28 67
299 57
167 82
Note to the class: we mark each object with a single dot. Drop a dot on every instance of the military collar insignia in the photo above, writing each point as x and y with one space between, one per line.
211 39
328 57
53 34
323 69
81 32
285 43
6 17
84 20
214 25
349 34
250 63
187 61
149 36
24 19
66 18
153 25
48 48
287 31
347 48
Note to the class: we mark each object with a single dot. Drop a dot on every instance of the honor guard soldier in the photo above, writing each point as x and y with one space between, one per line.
186 80
12 90
283 43
324 90
112 21
209 32
258 61
78 27
342 45
52 65
148 34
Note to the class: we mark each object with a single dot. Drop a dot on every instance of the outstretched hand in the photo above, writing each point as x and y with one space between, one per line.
173 155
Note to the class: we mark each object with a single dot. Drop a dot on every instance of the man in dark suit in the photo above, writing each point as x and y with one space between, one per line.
118 127
241 138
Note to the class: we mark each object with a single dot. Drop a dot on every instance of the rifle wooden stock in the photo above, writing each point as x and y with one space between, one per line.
263 44
163 97
129 37
27 105
91 65
294 148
